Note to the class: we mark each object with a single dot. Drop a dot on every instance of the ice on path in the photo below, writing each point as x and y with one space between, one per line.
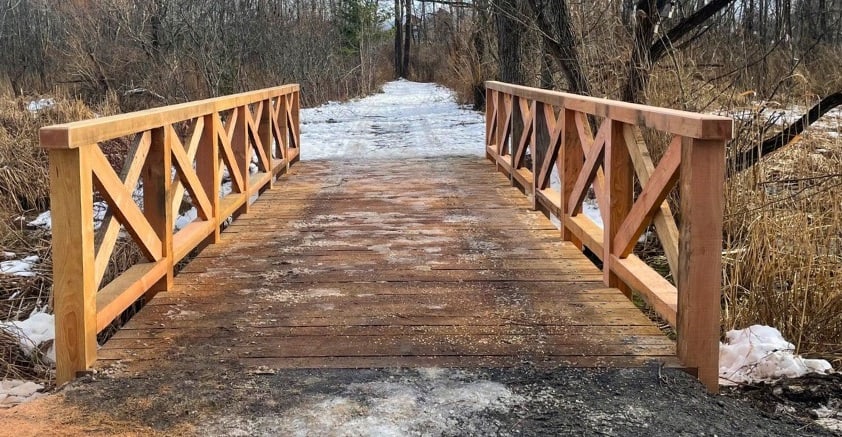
760 353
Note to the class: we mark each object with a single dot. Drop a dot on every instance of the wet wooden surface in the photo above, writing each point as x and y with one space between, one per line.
419 262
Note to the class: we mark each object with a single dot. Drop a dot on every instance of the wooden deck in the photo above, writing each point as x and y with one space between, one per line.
421 262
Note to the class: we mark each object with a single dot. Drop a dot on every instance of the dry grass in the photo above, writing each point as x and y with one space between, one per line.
783 263
24 192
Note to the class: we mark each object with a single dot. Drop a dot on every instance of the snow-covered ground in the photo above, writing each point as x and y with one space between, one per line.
409 119
760 353
18 267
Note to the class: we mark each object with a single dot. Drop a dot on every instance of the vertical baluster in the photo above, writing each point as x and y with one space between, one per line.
516 126
502 121
700 256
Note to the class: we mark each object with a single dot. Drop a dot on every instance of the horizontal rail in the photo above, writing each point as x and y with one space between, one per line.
96 130
253 137
555 130
684 123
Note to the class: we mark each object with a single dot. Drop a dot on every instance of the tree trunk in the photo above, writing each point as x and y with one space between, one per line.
407 37
553 18
640 64
785 137
509 35
398 39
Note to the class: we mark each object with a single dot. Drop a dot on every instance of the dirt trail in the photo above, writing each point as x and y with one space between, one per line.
518 401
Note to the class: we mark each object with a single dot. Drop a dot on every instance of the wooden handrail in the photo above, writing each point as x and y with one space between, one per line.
555 128
231 132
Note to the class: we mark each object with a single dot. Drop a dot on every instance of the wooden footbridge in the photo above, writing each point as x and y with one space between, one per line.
438 261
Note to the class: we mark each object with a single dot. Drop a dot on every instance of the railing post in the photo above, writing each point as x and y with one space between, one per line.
490 104
283 128
502 120
157 189
74 285
540 146
264 132
241 152
700 257
619 190
516 132
572 159
207 169
296 122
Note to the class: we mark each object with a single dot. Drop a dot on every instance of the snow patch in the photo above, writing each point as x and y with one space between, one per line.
36 332
760 353
45 219
36 106
186 218
21 267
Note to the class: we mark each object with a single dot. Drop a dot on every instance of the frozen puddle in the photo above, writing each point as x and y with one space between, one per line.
437 403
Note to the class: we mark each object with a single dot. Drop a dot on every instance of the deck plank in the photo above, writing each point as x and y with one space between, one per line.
420 262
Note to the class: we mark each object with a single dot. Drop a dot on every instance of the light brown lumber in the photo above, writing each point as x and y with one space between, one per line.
699 282
619 185
657 291
92 131
123 291
110 228
648 202
208 164
123 206
664 221
190 152
157 185
74 286
688 124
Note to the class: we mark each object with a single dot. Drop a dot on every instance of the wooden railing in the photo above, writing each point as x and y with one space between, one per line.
252 136
555 129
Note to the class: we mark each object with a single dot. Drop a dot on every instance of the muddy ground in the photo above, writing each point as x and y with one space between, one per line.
216 400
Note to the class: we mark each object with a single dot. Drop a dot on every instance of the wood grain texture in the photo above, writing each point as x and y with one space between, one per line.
609 162
82 133
700 261
349 264
74 285
80 172
683 123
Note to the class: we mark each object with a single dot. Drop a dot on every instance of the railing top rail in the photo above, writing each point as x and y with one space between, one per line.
80 133
688 124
